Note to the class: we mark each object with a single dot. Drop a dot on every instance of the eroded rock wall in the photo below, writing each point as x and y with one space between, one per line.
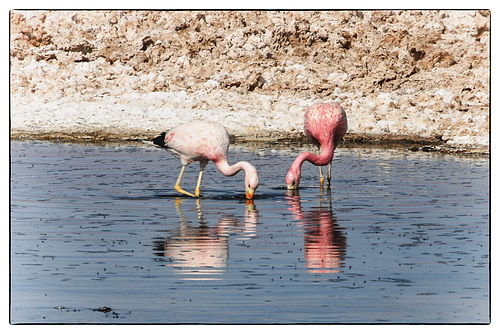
410 73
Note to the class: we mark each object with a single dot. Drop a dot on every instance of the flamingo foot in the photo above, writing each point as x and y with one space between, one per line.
182 191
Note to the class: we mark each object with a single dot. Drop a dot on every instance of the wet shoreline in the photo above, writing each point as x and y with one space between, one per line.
413 143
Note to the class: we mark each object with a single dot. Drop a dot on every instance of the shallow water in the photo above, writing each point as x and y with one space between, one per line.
99 235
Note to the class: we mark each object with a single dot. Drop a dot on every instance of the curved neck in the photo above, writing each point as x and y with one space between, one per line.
228 170
322 159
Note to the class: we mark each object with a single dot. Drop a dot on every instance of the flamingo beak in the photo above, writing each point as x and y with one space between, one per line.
250 192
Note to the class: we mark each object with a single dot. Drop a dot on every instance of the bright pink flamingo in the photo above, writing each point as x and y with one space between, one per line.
325 124
205 141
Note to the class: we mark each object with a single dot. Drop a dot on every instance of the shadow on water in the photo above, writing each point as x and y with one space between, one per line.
217 197
211 195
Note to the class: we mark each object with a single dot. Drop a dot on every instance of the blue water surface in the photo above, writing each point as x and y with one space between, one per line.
99 235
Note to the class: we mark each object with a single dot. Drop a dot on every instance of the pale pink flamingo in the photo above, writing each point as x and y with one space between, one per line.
325 124
204 141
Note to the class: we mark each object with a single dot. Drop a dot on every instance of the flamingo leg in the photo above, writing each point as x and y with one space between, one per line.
321 177
198 184
329 177
178 184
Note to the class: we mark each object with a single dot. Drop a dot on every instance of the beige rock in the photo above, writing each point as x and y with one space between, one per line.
411 73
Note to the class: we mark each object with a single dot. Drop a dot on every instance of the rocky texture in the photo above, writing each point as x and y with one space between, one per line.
411 74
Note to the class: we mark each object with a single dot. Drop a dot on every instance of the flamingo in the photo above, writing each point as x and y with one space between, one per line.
204 141
325 124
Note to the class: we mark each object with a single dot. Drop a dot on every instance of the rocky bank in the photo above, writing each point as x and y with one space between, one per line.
410 75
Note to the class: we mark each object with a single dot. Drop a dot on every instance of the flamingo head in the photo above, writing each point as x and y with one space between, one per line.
293 179
251 182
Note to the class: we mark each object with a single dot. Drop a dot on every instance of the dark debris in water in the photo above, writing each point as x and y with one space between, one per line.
104 309
108 311
448 149
67 309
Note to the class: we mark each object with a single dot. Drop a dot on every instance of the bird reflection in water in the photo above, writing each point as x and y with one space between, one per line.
324 241
201 250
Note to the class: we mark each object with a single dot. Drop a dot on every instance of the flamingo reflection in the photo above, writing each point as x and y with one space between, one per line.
201 250
324 241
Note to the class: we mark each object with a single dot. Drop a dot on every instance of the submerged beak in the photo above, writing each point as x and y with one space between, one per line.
250 192
292 184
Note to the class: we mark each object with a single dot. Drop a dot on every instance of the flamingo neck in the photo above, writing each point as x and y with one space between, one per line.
228 170
319 160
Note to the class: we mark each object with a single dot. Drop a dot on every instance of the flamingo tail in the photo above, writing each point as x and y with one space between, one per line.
160 140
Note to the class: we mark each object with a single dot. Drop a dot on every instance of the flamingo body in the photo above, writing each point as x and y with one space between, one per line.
205 141
196 141
325 124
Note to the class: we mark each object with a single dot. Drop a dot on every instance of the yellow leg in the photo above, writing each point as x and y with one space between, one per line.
178 184
198 184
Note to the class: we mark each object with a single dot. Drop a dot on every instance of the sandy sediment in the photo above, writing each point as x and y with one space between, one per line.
415 76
